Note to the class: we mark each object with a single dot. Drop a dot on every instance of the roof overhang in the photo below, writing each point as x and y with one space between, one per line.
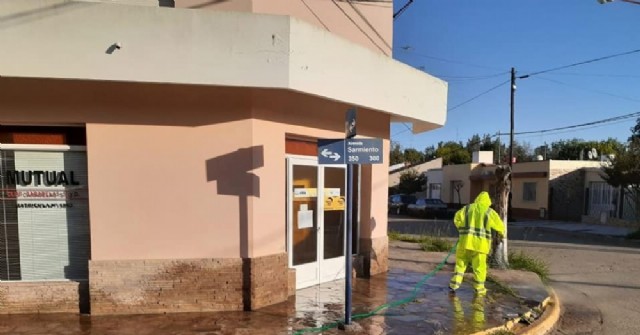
77 40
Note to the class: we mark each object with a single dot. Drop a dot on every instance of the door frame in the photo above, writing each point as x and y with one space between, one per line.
320 271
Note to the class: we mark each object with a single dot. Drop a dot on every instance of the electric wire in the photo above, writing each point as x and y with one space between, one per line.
579 63
598 122
478 96
576 129
366 21
462 103
408 50
359 28
402 9
388 305
315 15
613 75
588 89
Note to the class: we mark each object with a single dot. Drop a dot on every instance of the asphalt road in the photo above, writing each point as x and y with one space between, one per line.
596 278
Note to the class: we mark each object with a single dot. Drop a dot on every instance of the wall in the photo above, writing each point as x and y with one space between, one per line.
530 172
456 172
197 47
566 183
172 179
373 30
39 297
394 178
435 176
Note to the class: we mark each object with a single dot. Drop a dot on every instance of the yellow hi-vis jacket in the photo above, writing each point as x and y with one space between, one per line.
475 222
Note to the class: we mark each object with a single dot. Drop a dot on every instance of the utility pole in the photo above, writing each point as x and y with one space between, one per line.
499 144
513 94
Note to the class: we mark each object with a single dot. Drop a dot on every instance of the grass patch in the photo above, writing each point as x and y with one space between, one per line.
395 236
634 236
521 261
428 243
501 287
436 244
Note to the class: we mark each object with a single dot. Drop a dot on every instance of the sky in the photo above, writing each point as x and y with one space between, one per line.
473 44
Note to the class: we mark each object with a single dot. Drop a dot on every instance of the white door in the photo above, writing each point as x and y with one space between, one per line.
315 220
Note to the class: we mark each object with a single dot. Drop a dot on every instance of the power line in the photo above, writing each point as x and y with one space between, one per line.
477 96
580 63
576 130
407 49
359 28
364 18
589 90
460 104
607 120
316 15
402 9
596 75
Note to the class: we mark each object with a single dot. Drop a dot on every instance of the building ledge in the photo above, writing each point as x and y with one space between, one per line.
96 41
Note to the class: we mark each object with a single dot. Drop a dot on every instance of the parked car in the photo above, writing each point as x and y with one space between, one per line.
398 203
435 208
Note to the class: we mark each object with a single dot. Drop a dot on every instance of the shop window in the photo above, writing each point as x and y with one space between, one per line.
529 191
44 214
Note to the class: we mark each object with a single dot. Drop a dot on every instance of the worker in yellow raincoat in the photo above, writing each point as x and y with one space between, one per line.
475 223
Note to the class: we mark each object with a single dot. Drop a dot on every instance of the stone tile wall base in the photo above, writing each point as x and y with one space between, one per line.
39 297
373 258
292 282
186 285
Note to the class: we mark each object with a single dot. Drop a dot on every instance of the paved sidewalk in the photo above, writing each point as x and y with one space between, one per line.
432 312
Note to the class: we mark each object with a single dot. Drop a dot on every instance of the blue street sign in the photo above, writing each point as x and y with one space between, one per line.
330 151
350 151
364 151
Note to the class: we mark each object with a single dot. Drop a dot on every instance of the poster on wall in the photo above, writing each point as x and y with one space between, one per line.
305 217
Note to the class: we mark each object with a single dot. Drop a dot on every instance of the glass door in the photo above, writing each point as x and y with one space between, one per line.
315 221
333 224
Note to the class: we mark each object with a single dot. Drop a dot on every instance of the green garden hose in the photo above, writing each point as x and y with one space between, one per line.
391 304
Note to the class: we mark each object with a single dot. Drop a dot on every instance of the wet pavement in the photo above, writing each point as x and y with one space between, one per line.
432 311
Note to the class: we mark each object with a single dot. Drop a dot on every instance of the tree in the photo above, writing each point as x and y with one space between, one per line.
429 153
453 153
457 187
522 152
474 143
413 156
411 181
396 156
624 170
499 252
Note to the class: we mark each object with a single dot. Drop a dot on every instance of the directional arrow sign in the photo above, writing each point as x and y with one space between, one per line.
350 151
326 153
331 151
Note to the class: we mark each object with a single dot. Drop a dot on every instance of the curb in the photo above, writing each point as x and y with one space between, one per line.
547 321
542 326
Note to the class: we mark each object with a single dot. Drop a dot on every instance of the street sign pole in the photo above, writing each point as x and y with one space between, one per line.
352 152
349 132
349 238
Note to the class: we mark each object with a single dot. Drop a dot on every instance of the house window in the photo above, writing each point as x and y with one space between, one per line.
529 192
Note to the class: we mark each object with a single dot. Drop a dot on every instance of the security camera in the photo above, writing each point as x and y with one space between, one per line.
117 45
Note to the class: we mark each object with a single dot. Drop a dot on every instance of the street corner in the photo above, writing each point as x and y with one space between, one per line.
543 303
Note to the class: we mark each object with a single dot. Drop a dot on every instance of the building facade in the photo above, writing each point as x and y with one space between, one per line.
551 189
159 159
